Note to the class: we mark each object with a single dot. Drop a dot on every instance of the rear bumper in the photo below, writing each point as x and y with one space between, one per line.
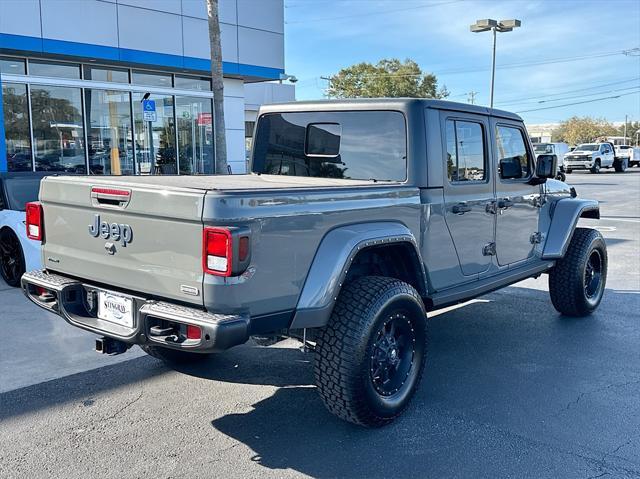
69 298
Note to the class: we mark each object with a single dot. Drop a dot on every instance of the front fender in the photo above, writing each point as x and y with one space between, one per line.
331 263
566 214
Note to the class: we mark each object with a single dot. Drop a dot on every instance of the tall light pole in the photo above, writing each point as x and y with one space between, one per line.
495 26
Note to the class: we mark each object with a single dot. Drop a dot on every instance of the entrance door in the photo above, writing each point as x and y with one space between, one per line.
468 190
516 201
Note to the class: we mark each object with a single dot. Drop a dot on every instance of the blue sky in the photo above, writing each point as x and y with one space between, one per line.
323 36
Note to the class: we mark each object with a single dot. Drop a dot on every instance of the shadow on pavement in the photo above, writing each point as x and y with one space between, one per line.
497 372
505 375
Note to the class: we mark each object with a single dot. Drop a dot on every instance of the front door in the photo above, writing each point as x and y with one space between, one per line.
517 202
468 190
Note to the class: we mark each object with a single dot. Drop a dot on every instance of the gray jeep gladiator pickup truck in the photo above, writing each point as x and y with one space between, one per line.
357 218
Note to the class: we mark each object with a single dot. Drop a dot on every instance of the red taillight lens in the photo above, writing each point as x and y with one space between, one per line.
243 248
193 332
217 257
34 221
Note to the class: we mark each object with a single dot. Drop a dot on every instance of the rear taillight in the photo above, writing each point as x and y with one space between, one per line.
218 250
226 251
35 225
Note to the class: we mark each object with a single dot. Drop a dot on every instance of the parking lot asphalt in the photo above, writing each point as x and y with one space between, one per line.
511 389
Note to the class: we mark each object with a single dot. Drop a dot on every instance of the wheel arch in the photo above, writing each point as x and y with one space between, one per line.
566 214
349 252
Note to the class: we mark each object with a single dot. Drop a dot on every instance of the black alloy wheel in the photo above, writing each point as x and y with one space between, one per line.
393 355
12 264
593 275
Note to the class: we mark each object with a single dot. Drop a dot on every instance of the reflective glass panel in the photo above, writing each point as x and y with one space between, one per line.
151 78
57 129
109 132
16 126
13 66
54 69
117 75
195 135
193 83
155 136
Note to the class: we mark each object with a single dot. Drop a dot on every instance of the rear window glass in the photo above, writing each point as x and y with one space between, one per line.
350 145
20 191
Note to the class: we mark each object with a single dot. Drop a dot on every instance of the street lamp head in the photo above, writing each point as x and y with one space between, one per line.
511 24
483 25
490 24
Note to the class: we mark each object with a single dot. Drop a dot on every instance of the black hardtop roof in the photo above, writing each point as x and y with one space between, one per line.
401 104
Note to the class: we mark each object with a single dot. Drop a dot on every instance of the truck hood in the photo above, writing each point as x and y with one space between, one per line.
581 152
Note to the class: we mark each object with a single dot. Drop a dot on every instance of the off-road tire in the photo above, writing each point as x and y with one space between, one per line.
346 346
595 169
569 171
173 356
620 166
567 279
12 261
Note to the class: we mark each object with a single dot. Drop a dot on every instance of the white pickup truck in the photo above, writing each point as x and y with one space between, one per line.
592 157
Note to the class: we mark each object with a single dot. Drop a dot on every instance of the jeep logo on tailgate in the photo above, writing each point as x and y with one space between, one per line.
115 231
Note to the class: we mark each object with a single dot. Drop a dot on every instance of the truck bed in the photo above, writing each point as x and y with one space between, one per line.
224 182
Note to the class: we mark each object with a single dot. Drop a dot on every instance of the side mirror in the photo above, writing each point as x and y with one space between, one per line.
510 168
547 166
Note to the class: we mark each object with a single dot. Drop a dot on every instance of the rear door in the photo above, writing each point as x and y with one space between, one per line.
517 202
141 238
468 189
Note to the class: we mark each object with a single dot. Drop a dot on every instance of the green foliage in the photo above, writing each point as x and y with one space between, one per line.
389 78
633 127
583 130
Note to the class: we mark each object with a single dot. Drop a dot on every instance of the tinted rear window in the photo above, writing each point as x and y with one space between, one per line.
20 191
350 145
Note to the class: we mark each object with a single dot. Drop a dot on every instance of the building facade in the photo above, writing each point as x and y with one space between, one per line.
123 87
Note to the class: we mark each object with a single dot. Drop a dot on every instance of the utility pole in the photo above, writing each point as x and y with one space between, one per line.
328 80
625 128
472 97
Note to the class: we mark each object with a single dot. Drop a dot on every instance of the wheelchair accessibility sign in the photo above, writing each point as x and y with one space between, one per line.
149 110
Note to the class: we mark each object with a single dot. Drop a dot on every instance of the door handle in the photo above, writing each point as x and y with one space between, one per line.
504 203
461 208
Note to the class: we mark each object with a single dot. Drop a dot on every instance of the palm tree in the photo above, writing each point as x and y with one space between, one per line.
217 86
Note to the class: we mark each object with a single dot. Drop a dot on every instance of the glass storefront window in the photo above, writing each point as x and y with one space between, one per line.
16 126
193 83
54 69
155 140
109 134
58 129
195 135
13 66
151 78
117 75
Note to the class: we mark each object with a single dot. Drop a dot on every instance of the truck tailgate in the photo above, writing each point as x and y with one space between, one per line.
144 238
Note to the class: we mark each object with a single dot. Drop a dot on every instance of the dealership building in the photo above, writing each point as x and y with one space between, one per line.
123 86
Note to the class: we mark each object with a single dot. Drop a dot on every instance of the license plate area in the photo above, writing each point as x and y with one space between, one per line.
115 308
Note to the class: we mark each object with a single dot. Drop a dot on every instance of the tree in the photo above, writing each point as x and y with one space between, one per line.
217 86
388 78
583 130
633 127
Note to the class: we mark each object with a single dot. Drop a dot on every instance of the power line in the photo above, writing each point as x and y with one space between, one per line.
579 102
368 14
503 66
576 96
546 95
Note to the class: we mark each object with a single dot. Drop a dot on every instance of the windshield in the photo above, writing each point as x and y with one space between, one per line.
588 147
543 148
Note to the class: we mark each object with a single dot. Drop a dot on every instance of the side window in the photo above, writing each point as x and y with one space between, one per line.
465 151
513 158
